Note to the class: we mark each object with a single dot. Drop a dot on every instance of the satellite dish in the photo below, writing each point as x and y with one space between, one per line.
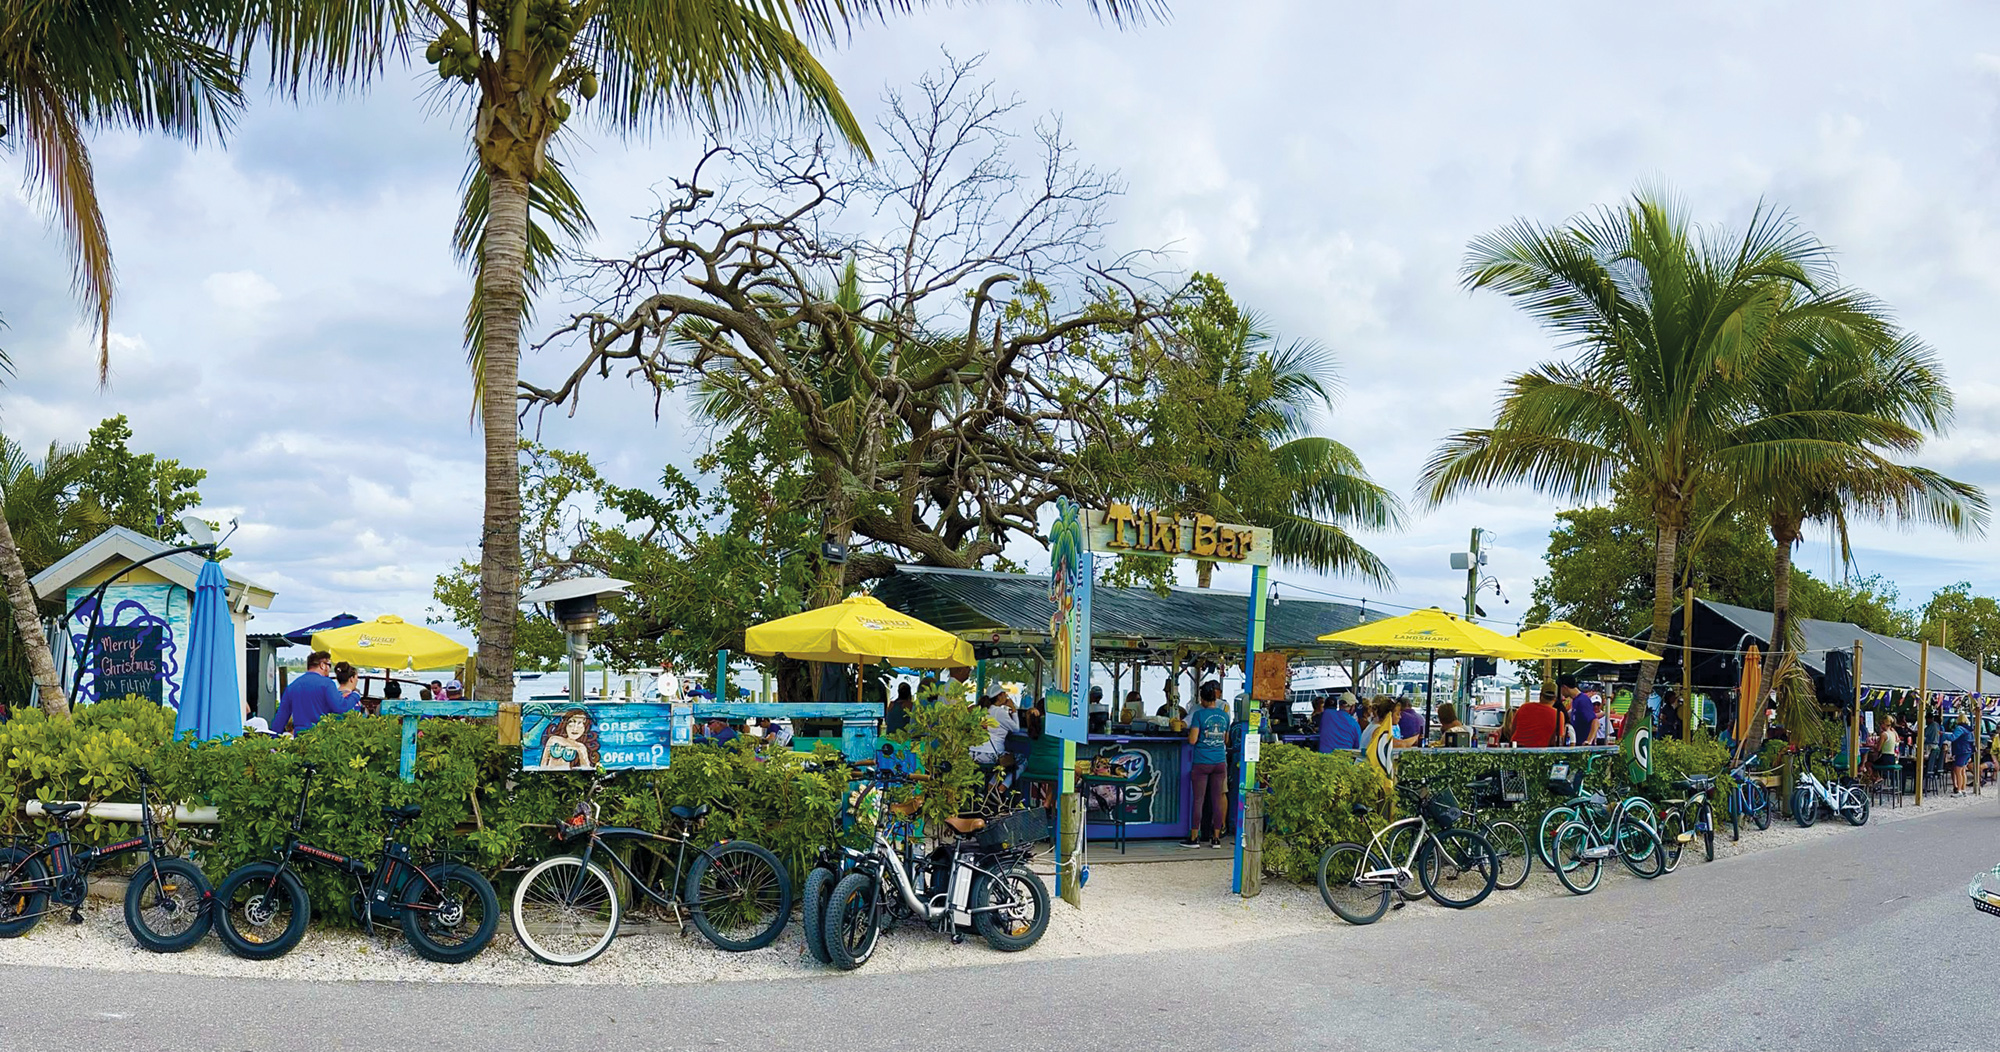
197 529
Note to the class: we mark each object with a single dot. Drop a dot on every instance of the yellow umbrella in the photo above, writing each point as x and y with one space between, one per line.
1563 641
1435 631
859 630
391 642
1750 692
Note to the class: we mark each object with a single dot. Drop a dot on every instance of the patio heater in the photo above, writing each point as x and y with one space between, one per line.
573 604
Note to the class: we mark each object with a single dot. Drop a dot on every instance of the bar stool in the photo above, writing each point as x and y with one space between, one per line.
1888 782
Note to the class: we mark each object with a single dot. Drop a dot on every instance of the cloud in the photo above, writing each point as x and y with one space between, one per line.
289 309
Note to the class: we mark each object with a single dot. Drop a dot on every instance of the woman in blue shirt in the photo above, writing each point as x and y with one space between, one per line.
1208 771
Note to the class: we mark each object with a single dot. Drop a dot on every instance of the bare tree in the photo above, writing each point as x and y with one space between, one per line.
944 331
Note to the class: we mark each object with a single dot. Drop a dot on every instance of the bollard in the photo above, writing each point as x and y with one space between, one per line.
1070 806
1253 844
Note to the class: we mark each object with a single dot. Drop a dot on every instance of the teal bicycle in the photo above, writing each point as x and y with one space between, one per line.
1631 829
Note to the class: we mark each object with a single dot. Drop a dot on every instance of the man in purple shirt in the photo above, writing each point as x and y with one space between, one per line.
1409 724
1582 710
310 697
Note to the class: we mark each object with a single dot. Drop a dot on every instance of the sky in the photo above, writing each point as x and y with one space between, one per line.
289 307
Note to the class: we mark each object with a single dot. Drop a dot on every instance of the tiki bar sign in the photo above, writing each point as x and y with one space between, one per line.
1124 529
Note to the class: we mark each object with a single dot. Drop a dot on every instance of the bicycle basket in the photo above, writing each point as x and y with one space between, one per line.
1500 788
1013 830
1442 809
1565 780
576 825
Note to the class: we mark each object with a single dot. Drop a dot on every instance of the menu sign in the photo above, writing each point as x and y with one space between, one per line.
128 662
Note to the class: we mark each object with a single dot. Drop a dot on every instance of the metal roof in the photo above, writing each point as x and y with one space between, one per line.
978 604
119 542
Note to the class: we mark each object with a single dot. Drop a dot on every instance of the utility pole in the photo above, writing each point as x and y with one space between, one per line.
1471 614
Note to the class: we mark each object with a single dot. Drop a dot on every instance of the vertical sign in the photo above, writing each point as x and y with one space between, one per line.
1069 626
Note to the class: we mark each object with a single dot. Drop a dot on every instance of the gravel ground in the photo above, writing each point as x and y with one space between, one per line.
1132 908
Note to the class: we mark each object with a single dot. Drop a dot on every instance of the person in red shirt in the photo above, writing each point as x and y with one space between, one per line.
1537 725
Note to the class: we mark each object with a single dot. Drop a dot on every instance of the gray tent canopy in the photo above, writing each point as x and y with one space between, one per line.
1723 629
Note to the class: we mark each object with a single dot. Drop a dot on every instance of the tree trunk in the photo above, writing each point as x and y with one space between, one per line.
1786 533
501 296
41 663
1204 573
1663 610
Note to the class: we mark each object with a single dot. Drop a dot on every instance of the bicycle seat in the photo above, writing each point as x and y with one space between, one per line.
688 813
61 812
1594 799
965 824
399 815
1360 809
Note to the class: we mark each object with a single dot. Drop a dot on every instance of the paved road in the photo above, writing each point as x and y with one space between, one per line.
1863 940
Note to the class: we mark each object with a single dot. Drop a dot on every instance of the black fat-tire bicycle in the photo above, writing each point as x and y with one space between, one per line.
166 899
567 908
980 880
447 910
1455 866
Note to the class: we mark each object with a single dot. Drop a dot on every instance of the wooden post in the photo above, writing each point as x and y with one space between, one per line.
1923 713
1687 668
1854 728
1253 844
1069 829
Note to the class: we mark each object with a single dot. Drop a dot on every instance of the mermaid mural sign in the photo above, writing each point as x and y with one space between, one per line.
560 736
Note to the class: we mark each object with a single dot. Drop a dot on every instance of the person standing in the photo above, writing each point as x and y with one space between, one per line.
1961 754
1670 715
1537 724
1583 715
1338 728
898 716
311 696
1208 770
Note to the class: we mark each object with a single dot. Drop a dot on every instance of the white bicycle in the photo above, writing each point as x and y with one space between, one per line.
1848 800
1454 865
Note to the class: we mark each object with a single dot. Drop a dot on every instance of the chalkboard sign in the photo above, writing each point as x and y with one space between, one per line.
559 736
128 662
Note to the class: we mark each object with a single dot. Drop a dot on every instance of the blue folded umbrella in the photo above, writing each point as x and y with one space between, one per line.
211 702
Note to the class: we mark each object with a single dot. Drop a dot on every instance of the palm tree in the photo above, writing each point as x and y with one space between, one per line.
1245 406
67 70
1835 374
527 66
1672 326
41 498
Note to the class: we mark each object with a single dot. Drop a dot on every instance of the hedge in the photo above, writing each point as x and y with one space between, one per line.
1309 796
473 797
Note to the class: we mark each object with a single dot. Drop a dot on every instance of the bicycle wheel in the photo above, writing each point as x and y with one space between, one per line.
1705 821
24 892
1639 846
453 921
166 905
1805 807
1458 868
1577 864
1403 848
739 895
812 911
261 911
1673 836
1854 805
1545 833
1760 810
1735 815
1010 909
1340 869
853 924
1510 847
566 912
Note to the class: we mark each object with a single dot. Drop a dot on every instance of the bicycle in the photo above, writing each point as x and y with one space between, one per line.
567 909
1577 805
447 910
1356 881
1846 798
1675 828
1593 833
980 881
1501 790
1748 799
166 900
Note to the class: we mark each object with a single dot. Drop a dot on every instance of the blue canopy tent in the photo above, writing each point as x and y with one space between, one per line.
304 636
211 706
